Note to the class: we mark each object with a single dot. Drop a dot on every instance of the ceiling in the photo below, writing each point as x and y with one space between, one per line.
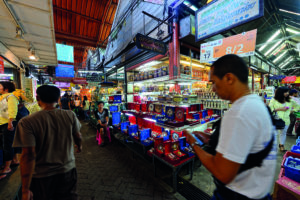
277 17
84 22
35 19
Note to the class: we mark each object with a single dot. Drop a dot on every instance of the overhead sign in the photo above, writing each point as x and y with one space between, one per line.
150 44
79 80
93 78
1 65
242 44
222 15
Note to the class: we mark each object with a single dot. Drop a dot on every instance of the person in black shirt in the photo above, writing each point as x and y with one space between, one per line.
64 102
102 117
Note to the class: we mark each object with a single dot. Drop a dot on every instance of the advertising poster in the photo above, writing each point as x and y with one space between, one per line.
242 44
222 15
1 65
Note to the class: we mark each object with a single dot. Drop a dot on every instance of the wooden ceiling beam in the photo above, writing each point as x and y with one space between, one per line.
104 20
68 37
78 14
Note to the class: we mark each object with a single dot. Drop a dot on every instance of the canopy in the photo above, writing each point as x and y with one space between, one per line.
289 79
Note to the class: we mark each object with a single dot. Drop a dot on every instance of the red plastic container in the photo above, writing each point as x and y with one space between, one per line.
132 119
137 107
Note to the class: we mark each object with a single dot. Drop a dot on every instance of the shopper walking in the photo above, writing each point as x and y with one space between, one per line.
246 130
8 113
48 163
77 104
282 105
86 108
296 107
102 117
64 102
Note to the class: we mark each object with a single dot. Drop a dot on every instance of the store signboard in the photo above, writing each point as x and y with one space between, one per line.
78 80
150 44
93 78
222 15
242 44
1 65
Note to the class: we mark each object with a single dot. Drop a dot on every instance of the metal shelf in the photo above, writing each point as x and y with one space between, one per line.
186 126
166 80
175 104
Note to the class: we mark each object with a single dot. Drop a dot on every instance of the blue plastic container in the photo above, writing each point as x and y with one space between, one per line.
196 116
113 108
116 118
292 168
133 129
145 134
124 125
295 149
117 98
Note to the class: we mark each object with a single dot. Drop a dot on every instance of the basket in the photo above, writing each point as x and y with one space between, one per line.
113 108
288 154
295 149
290 168
116 118
117 98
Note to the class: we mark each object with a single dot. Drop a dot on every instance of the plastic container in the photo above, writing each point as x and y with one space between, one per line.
113 108
295 149
145 134
117 98
287 154
132 129
292 168
116 118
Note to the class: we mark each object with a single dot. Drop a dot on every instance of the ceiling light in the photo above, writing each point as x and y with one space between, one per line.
279 49
289 12
279 57
147 66
18 32
188 4
292 31
193 64
286 64
272 48
32 55
269 40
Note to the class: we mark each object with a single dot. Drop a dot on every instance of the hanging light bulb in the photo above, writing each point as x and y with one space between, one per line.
18 32
32 55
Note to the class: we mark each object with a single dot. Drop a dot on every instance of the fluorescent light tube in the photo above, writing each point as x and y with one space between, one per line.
272 48
286 64
269 40
128 114
289 12
151 120
193 64
280 56
292 31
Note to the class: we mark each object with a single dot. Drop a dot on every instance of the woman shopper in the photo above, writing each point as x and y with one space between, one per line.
282 104
8 113
86 108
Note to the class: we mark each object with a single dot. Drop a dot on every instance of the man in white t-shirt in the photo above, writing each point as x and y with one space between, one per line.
246 128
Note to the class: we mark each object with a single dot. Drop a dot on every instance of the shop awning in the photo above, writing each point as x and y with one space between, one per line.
297 80
289 79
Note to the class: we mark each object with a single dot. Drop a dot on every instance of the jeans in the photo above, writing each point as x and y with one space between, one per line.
86 116
292 124
7 139
282 135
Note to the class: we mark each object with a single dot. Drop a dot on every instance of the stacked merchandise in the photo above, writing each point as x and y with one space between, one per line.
163 71
288 184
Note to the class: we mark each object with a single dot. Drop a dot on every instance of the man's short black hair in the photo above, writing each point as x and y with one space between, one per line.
231 63
48 93
99 102
293 91
7 85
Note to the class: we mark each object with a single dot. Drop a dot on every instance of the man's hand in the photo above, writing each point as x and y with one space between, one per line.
10 126
27 195
189 137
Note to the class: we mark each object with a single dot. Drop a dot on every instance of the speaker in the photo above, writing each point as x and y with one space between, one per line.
27 72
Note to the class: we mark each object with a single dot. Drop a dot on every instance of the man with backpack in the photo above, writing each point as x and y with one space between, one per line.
244 162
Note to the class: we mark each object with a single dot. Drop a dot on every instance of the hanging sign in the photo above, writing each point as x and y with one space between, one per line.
94 78
79 80
150 44
242 44
1 65
222 15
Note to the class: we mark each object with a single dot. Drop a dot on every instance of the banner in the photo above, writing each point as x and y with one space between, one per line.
222 15
242 44
150 44
1 65
79 80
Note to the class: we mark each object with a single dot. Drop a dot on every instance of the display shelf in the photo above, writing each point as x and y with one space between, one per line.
158 79
176 104
166 80
185 126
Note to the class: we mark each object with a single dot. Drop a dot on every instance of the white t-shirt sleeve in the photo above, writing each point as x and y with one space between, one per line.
236 139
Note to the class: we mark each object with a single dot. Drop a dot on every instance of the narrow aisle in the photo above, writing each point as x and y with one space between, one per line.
110 172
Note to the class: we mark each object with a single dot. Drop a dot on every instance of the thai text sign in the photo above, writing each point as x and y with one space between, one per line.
242 44
222 15
150 44
1 65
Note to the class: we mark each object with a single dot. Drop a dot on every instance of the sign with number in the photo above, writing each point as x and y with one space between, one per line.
1 65
242 44
222 15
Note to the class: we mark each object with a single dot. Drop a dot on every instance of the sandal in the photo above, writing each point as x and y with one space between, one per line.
281 148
